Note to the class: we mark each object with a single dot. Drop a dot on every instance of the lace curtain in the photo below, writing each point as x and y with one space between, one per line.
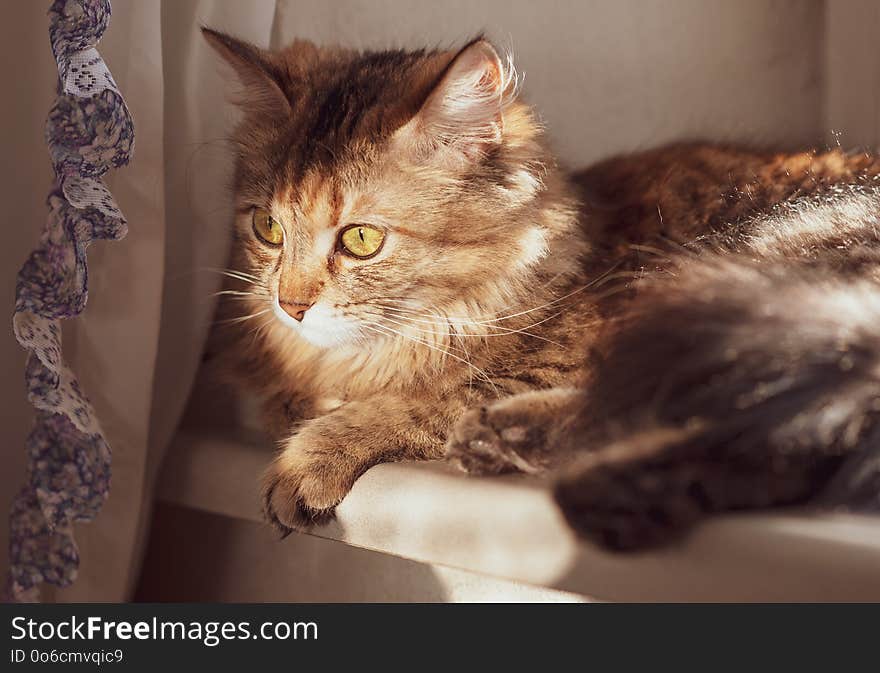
89 131
135 346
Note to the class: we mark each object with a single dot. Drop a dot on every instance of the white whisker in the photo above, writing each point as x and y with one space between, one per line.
505 331
418 339
243 318
486 320
384 329
232 273
236 293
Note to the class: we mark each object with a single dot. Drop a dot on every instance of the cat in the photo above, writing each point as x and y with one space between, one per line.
419 279
743 371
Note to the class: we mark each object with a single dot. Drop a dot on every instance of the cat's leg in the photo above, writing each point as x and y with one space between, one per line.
648 489
318 465
282 413
520 433
632 494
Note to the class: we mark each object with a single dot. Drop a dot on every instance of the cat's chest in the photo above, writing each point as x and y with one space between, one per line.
332 378
329 387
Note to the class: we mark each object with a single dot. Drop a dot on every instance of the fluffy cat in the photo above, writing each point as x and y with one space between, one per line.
418 279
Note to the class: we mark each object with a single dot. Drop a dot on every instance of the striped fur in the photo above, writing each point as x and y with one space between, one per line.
723 298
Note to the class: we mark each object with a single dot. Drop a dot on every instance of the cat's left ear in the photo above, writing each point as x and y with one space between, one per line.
463 115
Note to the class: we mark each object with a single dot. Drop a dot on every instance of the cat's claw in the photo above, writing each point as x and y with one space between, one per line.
485 441
287 512
520 433
297 493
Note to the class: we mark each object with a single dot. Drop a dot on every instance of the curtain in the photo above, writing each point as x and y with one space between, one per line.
150 304
136 347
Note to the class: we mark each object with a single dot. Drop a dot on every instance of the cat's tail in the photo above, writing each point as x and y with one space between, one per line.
730 385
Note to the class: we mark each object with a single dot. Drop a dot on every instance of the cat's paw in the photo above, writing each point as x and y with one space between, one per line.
624 508
496 439
303 486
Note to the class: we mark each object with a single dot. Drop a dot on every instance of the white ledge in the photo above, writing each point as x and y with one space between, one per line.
510 528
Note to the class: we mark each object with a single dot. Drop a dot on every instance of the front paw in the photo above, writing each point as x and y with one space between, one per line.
302 487
494 439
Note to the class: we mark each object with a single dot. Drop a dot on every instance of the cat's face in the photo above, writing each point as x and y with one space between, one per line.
381 194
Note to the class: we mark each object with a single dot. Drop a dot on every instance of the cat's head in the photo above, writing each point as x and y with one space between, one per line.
383 193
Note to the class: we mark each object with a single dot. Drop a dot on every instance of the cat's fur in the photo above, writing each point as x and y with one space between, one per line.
746 369
466 335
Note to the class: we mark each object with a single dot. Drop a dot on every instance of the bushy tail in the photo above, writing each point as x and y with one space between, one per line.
731 385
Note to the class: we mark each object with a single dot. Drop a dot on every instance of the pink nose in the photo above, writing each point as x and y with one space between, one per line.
296 311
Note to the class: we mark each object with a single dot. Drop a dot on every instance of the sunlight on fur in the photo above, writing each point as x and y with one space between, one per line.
668 334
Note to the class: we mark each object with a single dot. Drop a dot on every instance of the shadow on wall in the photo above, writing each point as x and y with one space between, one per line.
25 178
231 560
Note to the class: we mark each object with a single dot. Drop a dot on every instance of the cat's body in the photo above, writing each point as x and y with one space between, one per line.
741 370
423 282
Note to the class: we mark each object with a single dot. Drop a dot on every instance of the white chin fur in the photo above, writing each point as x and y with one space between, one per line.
320 326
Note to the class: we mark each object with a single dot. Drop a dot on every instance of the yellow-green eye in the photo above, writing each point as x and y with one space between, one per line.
267 228
361 240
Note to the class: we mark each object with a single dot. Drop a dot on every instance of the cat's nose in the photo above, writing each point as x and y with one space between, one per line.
295 310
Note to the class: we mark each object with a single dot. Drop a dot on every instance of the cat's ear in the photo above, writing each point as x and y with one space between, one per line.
463 114
258 74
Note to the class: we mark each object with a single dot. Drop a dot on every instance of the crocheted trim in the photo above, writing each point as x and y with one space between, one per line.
89 131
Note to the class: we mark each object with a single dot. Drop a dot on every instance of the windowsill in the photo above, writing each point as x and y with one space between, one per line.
509 528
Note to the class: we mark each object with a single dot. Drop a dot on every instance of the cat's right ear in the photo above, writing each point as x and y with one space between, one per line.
463 116
258 74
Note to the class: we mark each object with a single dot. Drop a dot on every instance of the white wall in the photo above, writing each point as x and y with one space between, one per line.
852 74
611 76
